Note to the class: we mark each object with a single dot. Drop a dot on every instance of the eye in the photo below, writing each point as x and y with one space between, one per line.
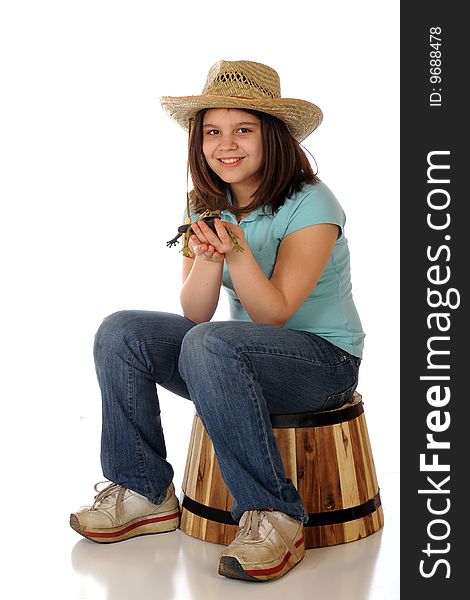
244 130
212 132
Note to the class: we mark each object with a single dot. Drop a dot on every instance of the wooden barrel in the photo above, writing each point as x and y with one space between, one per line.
328 457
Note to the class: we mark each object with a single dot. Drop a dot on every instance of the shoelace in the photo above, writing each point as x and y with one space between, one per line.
250 525
108 493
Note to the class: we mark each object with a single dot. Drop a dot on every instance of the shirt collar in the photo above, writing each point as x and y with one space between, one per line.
251 217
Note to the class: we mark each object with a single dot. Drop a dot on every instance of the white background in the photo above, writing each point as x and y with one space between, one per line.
93 183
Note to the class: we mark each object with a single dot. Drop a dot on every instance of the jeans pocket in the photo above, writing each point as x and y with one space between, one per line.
338 400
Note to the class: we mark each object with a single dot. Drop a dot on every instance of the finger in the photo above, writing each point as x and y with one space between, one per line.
200 234
193 241
228 226
221 230
204 247
208 234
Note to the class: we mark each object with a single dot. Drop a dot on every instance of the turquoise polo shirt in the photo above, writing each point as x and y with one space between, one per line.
329 310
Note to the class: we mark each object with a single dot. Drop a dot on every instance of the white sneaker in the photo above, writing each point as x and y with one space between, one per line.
119 514
267 546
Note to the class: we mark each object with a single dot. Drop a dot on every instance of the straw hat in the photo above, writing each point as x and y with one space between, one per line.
247 85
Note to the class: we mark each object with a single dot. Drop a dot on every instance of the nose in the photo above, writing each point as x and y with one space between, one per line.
227 142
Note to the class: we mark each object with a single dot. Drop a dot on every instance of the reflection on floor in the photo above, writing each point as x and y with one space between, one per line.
175 566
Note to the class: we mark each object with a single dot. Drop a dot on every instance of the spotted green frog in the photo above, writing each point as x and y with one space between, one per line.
208 217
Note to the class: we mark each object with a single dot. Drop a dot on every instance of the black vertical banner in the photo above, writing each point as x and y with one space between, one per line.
435 329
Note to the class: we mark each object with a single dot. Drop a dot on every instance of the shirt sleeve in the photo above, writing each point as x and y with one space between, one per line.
318 205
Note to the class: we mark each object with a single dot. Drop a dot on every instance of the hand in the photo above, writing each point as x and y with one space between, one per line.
200 247
220 240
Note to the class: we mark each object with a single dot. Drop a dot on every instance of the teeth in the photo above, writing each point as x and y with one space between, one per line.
229 161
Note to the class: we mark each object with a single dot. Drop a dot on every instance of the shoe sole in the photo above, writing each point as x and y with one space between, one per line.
229 566
142 526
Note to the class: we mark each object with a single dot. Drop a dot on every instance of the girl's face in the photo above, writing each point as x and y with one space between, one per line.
232 146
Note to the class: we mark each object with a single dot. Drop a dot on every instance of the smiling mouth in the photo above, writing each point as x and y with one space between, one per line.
231 161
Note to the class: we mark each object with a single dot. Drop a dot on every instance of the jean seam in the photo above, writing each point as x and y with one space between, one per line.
153 339
261 422
131 409
294 356
131 404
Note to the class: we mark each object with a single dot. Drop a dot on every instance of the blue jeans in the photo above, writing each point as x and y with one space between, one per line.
236 373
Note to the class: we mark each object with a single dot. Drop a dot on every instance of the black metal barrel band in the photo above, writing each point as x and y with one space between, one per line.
317 419
314 519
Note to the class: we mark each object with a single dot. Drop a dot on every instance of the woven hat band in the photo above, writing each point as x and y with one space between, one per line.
242 79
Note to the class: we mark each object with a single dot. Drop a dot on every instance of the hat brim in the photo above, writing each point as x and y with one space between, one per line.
300 116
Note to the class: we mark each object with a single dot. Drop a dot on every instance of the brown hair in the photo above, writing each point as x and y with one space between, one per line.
286 169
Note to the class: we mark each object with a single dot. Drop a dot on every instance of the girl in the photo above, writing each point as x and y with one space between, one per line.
293 342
